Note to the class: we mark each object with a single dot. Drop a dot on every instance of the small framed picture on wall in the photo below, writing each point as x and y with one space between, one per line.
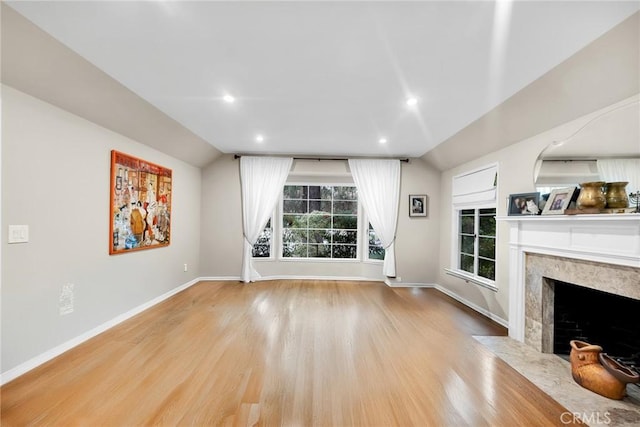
418 205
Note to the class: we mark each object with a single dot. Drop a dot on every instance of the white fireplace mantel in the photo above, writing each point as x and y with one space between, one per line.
610 239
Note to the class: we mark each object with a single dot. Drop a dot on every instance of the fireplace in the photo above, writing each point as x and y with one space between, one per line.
548 274
600 252
596 317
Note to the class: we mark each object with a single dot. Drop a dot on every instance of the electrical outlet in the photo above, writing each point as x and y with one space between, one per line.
18 234
186 268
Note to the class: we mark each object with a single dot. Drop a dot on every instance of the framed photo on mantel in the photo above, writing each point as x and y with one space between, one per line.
524 204
558 201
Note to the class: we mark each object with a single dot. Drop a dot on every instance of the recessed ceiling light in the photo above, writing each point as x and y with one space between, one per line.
259 138
228 99
382 140
412 101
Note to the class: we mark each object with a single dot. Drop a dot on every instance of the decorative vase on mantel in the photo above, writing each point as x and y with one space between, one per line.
591 195
616 194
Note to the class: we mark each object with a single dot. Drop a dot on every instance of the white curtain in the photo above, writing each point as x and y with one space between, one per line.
262 179
378 184
616 170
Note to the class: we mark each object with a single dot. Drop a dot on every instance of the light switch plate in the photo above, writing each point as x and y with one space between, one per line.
18 233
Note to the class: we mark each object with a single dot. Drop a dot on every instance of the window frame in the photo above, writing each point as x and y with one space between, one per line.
280 215
455 269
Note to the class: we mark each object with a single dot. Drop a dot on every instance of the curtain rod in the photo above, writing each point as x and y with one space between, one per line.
404 160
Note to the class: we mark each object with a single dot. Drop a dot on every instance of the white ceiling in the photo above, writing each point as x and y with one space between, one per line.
326 78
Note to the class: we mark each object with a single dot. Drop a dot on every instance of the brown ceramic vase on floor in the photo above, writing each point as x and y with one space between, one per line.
588 371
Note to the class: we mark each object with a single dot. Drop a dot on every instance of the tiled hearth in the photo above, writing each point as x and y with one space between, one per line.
552 374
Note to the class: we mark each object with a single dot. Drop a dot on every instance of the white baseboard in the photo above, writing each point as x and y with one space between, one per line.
220 279
30 364
394 284
291 277
335 278
473 306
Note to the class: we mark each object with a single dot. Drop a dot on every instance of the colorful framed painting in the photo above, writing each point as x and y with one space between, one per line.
140 206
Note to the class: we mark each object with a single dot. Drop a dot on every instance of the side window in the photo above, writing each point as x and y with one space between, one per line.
473 239
376 251
477 242
262 248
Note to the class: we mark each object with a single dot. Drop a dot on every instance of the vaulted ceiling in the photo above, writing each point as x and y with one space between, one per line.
325 78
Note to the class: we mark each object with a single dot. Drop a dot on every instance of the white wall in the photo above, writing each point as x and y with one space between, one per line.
515 175
55 178
221 245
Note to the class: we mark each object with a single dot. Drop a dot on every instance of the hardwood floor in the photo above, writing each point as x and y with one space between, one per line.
285 353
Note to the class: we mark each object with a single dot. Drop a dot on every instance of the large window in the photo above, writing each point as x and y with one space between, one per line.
477 242
320 221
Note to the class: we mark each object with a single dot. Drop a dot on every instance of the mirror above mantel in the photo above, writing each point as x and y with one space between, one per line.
605 148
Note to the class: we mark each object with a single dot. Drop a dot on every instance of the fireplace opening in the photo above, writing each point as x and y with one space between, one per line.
608 320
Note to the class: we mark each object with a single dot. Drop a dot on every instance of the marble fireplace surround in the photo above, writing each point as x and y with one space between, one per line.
539 295
596 251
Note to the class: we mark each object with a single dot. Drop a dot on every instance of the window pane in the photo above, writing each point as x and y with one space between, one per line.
466 263
467 244
287 249
294 221
294 236
320 251
488 211
468 212
487 226
467 224
345 193
295 192
262 247
487 247
261 251
294 206
320 206
376 252
319 221
342 236
487 268
314 192
344 251
345 208
348 222
320 236
299 251
326 192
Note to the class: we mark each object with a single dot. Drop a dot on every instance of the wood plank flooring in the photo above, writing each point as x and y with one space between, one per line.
292 353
